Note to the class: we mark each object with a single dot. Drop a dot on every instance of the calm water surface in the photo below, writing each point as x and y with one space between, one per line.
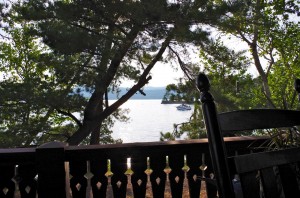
147 119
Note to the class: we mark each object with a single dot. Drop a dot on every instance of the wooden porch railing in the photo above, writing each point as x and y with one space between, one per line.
156 169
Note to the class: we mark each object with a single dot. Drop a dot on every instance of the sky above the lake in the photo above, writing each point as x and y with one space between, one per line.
162 75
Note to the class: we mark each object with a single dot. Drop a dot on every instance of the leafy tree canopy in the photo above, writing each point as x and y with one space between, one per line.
58 50
270 30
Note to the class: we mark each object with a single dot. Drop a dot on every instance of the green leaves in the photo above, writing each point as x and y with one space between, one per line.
90 46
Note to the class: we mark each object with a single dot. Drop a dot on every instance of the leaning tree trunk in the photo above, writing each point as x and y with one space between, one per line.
263 75
254 51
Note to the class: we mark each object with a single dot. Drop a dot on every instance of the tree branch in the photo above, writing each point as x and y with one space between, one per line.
105 23
271 61
69 115
182 64
269 99
94 32
118 57
243 37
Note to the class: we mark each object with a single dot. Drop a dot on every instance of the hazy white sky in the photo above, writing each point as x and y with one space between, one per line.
164 74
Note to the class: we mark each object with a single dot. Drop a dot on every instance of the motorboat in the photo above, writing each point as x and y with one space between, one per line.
184 107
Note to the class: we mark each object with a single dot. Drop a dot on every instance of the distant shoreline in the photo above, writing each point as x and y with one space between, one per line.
174 102
151 94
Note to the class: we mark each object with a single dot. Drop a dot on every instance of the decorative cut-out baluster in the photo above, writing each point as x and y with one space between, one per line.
89 175
119 183
109 174
157 180
195 177
167 170
78 186
128 173
148 171
68 178
16 179
203 167
27 189
5 190
186 189
98 185
177 179
36 179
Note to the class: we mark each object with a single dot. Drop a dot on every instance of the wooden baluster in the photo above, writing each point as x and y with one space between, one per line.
148 171
128 173
203 167
186 189
109 174
68 178
16 179
89 175
36 179
167 170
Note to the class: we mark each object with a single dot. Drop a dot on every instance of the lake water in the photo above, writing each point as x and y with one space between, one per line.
147 119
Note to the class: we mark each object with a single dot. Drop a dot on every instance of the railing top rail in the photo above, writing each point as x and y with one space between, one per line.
137 144
28 155
17 156
16 150
31 150
165 143
147 149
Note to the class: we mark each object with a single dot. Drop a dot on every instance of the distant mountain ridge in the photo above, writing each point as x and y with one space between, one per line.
151 94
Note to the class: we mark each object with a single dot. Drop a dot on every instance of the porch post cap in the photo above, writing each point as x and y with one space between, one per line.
203 83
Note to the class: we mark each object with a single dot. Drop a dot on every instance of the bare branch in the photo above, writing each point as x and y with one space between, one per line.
243 37
183 67
69 115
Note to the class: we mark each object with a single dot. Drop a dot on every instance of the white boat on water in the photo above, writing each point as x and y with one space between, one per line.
184 107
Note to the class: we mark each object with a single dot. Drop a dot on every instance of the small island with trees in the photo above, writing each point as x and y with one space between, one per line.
177 94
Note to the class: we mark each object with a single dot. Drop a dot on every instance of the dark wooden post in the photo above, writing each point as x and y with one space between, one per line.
215 139
51 170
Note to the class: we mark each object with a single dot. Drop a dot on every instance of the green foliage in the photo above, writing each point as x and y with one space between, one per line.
60 50
286 67
231 87
183 92
270 29
38 92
